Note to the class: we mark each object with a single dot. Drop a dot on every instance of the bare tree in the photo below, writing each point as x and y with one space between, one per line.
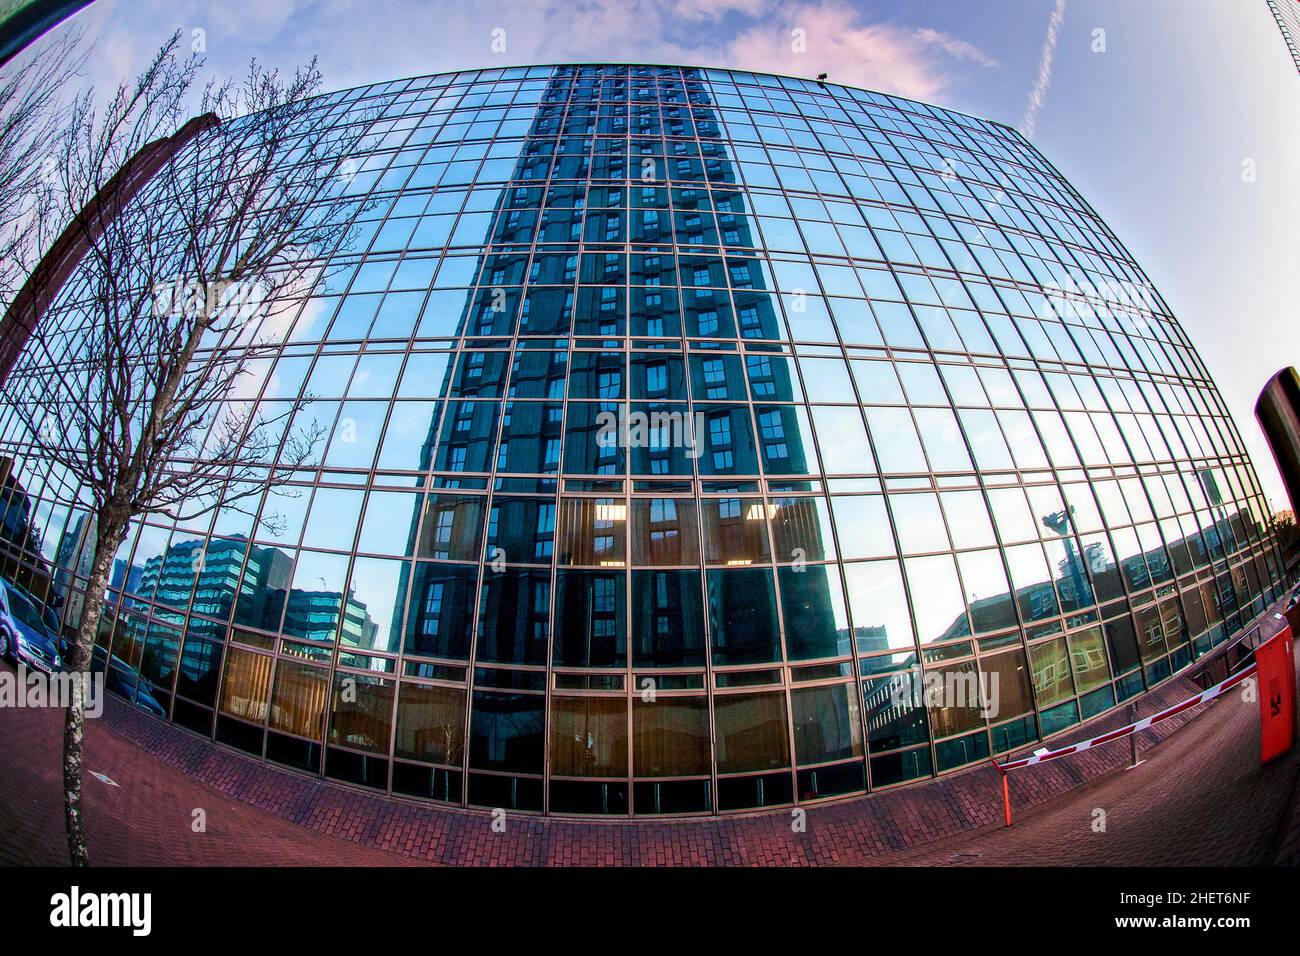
131 383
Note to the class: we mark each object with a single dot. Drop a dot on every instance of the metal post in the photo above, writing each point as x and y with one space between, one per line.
1133 737
1006 791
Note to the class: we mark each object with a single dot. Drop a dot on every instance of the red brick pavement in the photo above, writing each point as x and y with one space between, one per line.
1199 797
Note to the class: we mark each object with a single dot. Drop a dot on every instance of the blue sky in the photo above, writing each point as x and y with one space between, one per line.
1155 132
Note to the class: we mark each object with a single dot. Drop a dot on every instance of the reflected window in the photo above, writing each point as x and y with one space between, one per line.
812 603
590 619
441 610
735 530
667 619
514 613
894 711
1088 659
452 529
728 441
664 532
785 439
742 616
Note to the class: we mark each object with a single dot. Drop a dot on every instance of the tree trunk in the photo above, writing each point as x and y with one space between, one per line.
78 663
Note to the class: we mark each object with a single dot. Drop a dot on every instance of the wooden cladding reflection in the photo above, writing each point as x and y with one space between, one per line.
298 706
244 692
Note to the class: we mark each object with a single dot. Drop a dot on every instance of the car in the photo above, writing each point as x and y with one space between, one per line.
25 636
122 679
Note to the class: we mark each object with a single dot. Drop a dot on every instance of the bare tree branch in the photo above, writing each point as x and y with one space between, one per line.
137 382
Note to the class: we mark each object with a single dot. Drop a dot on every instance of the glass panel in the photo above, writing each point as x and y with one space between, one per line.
514 611
593 531
1088 657
735 530
430 724
752 732
452 528
671 737
954 699
667 619
441 611
664 532
376 596
878 606
920 524
940 610
315 605
1050 669
843 441
895 440
894 711
801 529
826 725
362 714
1006 685
590 619
742 616
332 521
589 736
506 732
390 523
863 526
812 602
298 705
245 687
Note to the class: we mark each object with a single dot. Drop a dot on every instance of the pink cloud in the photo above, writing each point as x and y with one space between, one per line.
717 9
879 56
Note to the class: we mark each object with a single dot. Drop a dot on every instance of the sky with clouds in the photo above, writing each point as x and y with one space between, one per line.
1179 120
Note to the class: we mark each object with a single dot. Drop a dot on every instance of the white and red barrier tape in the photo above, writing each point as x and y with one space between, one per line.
1133 728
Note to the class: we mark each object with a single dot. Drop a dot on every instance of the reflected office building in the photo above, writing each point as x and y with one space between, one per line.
683 425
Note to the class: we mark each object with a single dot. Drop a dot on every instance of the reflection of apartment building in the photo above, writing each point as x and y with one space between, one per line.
530 432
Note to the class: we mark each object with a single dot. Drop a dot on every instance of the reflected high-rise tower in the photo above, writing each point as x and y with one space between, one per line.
590 153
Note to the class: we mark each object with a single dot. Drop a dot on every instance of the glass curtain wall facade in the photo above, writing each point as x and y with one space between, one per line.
890 405
1287 14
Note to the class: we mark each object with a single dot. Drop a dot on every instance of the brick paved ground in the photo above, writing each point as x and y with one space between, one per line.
1199 797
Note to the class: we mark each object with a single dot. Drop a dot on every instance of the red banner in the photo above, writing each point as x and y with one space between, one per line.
1276 677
